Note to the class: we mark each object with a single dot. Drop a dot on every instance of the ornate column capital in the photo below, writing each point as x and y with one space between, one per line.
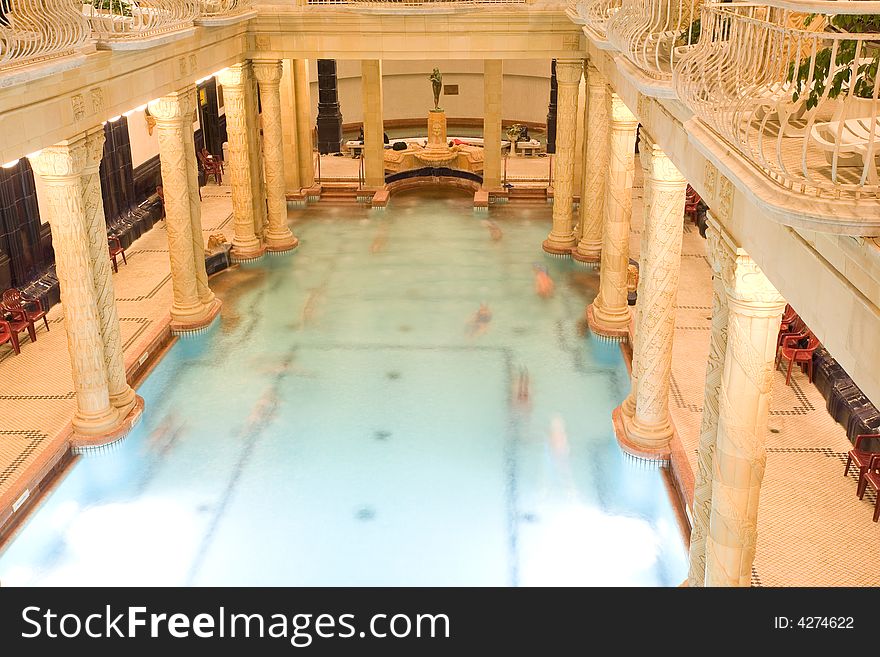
94 145
656 163
267 71
235 75
595 79
569 71
172 108
621 116
749 292
62 162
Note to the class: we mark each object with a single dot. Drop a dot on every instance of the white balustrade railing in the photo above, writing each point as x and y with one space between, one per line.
653 33
220 8
598 13
409 4
795 93
37 30
130 20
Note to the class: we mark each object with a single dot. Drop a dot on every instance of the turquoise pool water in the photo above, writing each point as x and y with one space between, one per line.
349 423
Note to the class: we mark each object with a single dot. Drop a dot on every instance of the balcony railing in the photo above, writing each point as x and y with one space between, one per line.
653 33
414 4
127 21
598 13
795 93
37 30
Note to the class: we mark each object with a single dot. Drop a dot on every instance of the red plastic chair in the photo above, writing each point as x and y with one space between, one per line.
8 335
861 458
803 356
18 323
872 479
17 303
692 200
116 249
211 165
789 317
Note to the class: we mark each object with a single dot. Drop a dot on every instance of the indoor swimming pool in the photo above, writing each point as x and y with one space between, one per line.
354 419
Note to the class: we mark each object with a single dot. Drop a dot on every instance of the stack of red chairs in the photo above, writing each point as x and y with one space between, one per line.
795 344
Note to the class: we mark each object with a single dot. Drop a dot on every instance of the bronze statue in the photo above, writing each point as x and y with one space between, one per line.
437 82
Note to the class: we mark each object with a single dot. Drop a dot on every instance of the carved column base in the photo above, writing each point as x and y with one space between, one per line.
628 406
281 242
559 246
97 424
196 324
247 253
80 442
124 401
588 254
621 424
649 438
614 326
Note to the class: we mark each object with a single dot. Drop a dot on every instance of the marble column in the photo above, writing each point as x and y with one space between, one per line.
591 212
304 123
206 296
292 184
650 430
721 256
245 243
609 314
61 167
374 148
278 235
754 314
492 98
562 240
122 395
628 406
173 114
255 154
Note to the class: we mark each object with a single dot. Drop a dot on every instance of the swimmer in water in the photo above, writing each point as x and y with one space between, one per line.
380 240
479 323
494 230
543 283
557 451
522 393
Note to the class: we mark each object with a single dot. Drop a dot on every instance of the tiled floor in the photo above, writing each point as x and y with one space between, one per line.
812 528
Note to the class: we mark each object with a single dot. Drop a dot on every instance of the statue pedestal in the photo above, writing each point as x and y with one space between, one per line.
437 129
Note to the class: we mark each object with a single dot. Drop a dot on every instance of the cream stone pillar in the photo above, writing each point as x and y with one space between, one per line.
754 313
122 396
304 123
278 236
609 315
206 296
173 114
374 147
650 431
492 94
235 79
292 183
628 406
61 167
721 257
255 153
562 239
597 144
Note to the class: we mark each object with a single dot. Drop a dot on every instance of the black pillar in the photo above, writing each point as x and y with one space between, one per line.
329 116
551 110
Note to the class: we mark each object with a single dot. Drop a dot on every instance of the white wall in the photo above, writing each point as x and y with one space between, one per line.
143 145
407 91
